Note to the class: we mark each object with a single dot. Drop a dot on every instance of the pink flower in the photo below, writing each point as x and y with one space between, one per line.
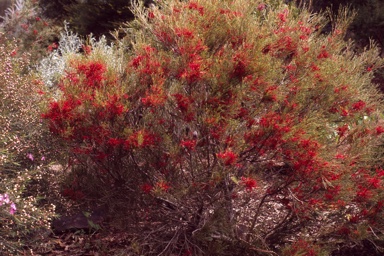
261 7
151 15
12 209
283 15
340 156
52 46
30 156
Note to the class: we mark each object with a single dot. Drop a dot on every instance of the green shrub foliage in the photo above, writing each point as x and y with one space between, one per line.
227 127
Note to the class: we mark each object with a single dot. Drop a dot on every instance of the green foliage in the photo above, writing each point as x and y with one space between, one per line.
227 127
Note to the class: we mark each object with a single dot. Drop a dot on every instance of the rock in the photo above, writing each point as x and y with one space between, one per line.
85 220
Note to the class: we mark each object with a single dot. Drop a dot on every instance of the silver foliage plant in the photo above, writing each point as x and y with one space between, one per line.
52 67
69 47
11 12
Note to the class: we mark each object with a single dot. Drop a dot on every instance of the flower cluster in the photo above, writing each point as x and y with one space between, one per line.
4 200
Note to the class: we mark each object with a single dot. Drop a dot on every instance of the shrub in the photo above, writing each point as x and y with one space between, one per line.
34 34
25 219
233 128
52 66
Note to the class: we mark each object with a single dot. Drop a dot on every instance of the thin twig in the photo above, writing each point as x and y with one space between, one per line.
373 232
293 195
169 243
257 249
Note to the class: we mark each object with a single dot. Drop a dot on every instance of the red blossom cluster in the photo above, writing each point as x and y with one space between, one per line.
249 183
228 157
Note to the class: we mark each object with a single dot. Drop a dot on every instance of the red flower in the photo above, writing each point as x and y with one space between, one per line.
249 183
333 192
162 186
359 105
323 54
137 60
188 144
313 201
197 7
225 11
142 139
184 32
153 100
52 46
374 182
363 193
192 73
94 73
261 7
101 156
379 130
228 157
115 142
183 102
342 130
87 49
151 15
314 67
154 96
13 53
239 69
344 112
146 188
283 15
114 108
